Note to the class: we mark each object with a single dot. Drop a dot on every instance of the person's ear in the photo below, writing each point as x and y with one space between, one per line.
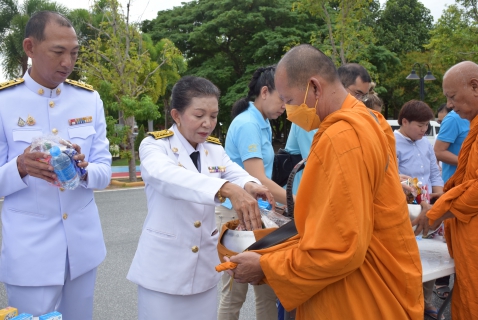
317 87
28 47
405 122
176 116
264 91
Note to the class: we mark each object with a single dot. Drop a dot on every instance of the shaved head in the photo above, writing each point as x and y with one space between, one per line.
463 71
460 86
305 61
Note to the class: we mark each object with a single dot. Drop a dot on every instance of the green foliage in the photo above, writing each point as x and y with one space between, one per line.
226 40
455 36
126 67
139 138
13 19
404 26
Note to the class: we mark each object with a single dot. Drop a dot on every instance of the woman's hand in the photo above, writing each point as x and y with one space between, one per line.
244 204
260 191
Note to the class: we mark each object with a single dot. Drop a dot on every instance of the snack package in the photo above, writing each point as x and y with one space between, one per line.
55 315
8 313
277 219
23 316
419 193
45 143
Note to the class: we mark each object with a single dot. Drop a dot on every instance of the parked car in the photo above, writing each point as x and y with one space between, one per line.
431 133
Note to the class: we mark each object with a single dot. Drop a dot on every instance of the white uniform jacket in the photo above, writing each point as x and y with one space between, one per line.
39 221
177 250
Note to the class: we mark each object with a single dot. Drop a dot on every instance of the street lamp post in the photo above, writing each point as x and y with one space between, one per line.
420 76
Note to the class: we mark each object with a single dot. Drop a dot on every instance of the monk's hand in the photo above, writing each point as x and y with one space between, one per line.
36 165
437 223
422 220
244 204
230 272
248 268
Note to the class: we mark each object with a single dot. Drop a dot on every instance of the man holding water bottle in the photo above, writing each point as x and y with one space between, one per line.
52 239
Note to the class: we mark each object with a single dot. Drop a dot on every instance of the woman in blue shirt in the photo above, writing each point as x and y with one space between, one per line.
249 144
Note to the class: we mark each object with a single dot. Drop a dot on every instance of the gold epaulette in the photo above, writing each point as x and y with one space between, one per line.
214 140
11 83
161 134
80 84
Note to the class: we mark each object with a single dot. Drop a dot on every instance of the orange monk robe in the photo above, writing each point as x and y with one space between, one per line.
357 257
461 232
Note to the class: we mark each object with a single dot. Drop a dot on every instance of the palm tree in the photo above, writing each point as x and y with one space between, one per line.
13 19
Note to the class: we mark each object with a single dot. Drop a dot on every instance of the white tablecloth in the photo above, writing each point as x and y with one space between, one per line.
436 261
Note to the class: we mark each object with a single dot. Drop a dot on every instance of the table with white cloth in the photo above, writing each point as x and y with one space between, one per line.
436 263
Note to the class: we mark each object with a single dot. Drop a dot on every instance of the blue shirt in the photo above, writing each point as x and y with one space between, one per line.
250 136
453 130
417 160
299 142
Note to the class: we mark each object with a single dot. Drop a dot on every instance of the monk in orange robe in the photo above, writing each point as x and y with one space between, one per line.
459 205
356 256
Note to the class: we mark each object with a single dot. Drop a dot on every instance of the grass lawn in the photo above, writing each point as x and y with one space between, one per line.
123 162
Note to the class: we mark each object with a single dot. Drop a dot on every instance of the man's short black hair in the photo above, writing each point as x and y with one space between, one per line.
349 72
443 107
305 61
35 27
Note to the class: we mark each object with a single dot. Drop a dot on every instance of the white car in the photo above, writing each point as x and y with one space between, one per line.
431 134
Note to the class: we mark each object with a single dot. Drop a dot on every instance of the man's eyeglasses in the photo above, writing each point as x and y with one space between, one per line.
359 95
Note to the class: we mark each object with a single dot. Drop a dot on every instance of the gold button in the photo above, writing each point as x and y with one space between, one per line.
62 189
65 216
197 224
58 91
52 104
41 91
195 249
174 149
54 131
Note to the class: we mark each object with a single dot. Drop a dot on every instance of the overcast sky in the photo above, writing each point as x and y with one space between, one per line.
147 9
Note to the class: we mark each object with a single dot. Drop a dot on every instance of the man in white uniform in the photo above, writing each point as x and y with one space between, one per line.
52 239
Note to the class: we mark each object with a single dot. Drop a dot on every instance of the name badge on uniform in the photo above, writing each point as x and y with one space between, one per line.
217 169
73 122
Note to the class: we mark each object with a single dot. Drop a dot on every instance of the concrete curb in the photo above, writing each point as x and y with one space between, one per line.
126 184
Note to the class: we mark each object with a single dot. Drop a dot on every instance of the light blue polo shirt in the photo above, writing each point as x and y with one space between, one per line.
250 136
299 142
453 130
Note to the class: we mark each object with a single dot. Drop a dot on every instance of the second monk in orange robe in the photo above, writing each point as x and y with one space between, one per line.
459 205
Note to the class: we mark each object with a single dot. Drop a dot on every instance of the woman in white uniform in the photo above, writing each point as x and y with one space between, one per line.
187 173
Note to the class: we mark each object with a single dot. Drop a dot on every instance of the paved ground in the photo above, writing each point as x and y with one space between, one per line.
122 214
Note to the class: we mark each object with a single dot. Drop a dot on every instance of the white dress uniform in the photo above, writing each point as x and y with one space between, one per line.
50 235
177 252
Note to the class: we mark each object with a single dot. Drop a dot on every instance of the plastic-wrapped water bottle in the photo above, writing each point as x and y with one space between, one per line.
64 169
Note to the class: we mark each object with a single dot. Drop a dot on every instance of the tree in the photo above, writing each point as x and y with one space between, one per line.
139 138
117 60
455 36
225 40
349 35
404 26
13 19
345 35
